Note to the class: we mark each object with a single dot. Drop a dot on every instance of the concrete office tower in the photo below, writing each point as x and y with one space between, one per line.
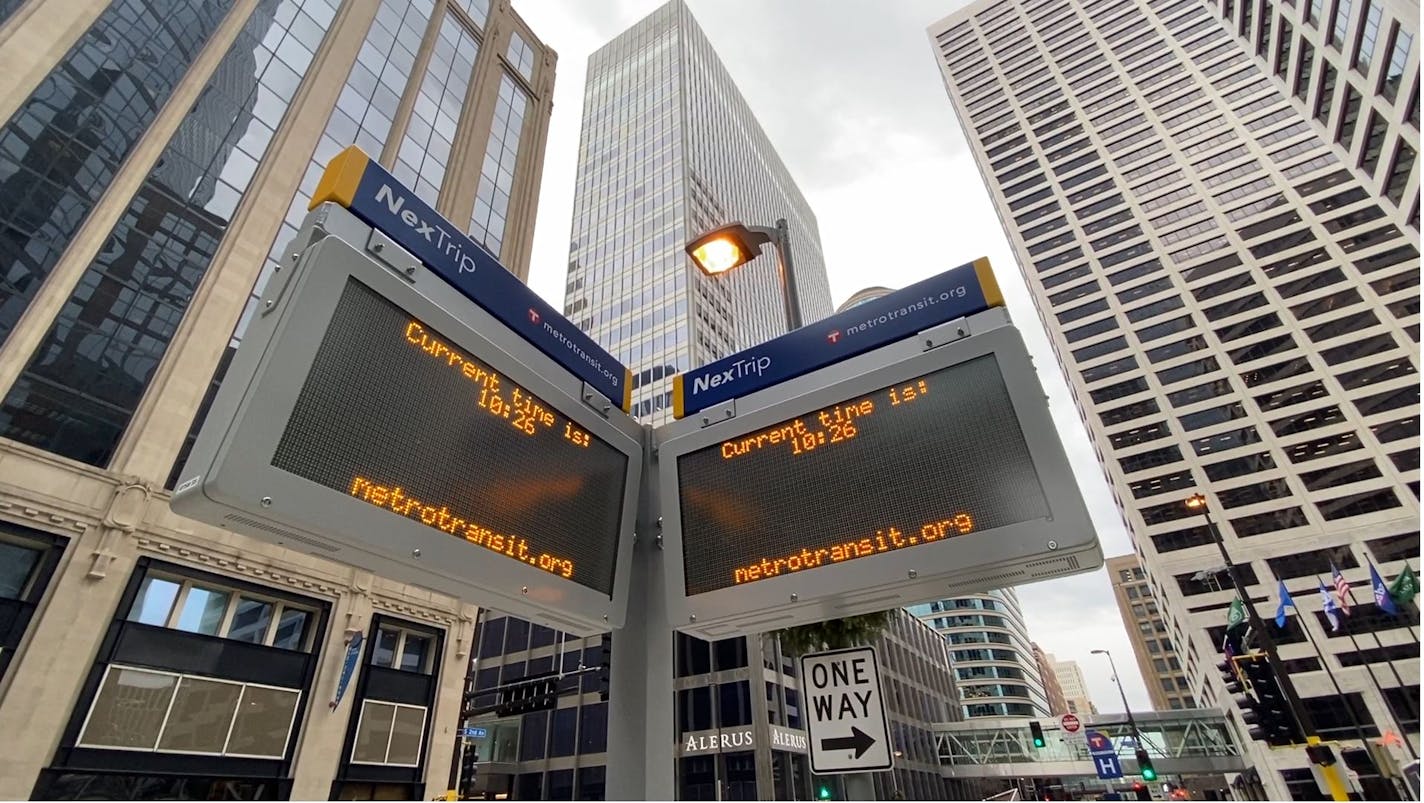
1074 687
1052 689
1146 625
1352 69
670 150
1236 312
155 157
992 654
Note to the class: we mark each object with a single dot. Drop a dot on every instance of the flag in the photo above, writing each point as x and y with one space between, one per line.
1405 586
1286 602
1235 615
1382 597
1342 588
1331 610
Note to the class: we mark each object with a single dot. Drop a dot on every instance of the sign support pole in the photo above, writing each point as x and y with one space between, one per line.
860 786
641 727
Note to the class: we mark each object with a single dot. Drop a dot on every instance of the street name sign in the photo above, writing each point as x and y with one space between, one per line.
846 723
376 414
926 468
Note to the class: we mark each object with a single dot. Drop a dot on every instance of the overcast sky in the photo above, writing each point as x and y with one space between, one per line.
851 97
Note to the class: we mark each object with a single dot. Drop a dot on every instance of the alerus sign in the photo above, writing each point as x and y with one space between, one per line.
731 740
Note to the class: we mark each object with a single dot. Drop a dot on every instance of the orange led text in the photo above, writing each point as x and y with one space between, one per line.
882 541
835 424
395 499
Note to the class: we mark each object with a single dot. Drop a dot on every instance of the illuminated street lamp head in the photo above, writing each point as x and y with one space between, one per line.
1196 502
722 249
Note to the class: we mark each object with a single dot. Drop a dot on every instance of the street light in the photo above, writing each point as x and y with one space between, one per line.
1131 722
736 244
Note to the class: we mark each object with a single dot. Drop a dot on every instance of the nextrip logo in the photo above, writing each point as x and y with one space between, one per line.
448 245
737 370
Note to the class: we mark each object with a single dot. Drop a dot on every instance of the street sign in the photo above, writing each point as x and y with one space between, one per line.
845 716
943 297
375 415
1107 766
925 468
1098 743
473 733
1103 754
1070 723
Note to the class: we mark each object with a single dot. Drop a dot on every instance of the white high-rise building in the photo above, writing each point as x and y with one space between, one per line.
670 150
1236 311
1074 686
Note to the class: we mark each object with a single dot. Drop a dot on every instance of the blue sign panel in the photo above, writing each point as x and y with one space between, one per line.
1107 766
474 733
353 180
1098 744
955 293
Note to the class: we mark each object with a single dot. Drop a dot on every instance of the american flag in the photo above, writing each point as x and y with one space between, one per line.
1342 588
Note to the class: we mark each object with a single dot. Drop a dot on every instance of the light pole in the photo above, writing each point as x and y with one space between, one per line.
736 244
1198 503
1131 723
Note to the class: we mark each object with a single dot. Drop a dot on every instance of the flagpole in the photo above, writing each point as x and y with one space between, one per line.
1330 673
1369 669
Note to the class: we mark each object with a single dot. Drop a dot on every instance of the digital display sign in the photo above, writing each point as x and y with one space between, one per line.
395 414
935 457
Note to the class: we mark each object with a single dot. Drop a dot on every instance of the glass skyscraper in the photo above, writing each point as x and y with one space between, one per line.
1234 299
669 150
156 157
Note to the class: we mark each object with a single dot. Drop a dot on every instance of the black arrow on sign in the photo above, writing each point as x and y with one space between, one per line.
858 740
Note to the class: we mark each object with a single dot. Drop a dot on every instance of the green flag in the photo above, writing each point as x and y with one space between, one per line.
1236 616
1405 586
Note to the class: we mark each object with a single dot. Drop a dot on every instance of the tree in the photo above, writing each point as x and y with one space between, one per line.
852 631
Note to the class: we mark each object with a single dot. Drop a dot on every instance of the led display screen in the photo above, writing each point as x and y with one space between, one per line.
932 458
397 415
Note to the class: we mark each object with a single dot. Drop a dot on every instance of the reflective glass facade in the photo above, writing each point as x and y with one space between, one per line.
157 158
669 150
993 657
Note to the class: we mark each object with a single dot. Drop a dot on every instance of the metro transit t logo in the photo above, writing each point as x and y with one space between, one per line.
834 336
533 315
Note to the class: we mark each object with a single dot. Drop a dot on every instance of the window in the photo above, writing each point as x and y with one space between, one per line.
1358 504
1138 435
1212 416
1261 523
1342 474
1400 42
1254 493
389 733
406 650
198 606
1240 466
1222 442
144 709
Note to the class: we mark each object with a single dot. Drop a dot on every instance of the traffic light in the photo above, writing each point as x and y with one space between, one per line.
1144 766
1037 731
1265 707
604 656
1141 790
823 791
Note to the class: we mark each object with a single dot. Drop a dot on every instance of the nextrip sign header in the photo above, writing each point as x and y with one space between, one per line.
356 182
955 293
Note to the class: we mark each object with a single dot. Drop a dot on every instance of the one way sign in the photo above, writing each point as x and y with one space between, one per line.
845 718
